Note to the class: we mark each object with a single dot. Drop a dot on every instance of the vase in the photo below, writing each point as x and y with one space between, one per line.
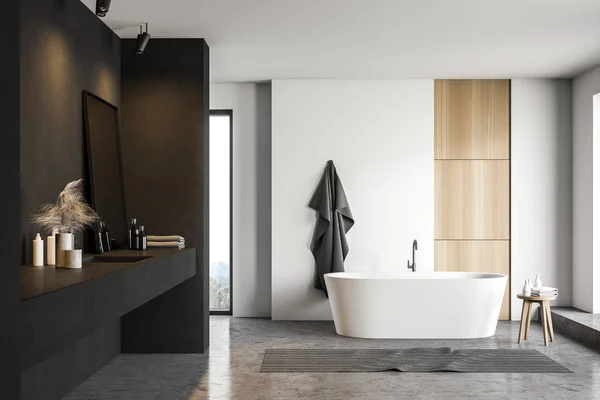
538 282
526 288
64 242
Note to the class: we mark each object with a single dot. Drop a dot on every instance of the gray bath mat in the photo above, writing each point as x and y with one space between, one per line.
410 360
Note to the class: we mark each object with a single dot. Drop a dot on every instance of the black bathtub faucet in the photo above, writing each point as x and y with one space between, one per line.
414 264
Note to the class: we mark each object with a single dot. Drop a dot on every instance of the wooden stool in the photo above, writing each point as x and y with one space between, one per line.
544 303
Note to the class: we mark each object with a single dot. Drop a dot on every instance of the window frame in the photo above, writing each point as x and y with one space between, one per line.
228 113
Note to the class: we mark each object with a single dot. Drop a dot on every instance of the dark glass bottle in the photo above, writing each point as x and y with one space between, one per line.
98 245
136 239
142 241
105 237
132 234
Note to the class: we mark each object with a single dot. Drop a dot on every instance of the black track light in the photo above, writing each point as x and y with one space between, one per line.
142 40
102 7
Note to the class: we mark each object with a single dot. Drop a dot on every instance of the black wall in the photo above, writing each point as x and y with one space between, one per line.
65 49
9 201
164 114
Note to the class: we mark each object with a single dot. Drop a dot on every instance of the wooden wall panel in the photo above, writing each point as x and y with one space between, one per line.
472 177
476 256
472 119
472 199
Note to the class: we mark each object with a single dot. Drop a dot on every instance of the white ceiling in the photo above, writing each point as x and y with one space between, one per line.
256 40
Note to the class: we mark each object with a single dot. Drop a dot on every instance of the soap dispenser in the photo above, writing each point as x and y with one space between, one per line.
142 242
38 251
132 237
136 239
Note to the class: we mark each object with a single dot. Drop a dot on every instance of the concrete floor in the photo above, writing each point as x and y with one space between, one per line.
231 369
582 317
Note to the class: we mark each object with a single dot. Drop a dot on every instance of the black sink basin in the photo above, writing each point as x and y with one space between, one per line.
115 259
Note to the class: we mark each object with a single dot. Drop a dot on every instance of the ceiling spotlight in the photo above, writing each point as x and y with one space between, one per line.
102 7
142 40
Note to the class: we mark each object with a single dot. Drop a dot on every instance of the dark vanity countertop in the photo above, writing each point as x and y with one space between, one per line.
37 281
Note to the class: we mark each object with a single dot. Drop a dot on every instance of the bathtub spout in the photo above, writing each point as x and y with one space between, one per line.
414 264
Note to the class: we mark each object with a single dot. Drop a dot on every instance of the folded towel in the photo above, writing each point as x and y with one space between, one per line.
165 245
171 238
545 289
544 293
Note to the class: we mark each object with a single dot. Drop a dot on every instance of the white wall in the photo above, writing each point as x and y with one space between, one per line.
541 180
379 133
251 105
584 153
596 216
382 131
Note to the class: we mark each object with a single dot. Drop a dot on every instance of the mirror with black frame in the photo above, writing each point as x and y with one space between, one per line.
104 166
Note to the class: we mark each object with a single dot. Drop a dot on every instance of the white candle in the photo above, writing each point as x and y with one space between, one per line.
73 258
64 241
51 251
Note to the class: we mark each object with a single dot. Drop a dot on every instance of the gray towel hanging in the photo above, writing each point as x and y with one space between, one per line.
329 246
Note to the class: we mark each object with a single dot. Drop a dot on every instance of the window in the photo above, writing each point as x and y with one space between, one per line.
221 129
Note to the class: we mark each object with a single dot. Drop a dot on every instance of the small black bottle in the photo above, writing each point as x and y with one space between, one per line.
105 237
98 245
142 241
132 234
136 239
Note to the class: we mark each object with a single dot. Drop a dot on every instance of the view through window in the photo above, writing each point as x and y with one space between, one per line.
220 212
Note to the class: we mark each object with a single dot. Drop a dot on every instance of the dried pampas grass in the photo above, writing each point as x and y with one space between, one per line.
70 213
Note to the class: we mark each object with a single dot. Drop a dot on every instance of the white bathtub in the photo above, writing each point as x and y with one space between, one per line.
423 305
